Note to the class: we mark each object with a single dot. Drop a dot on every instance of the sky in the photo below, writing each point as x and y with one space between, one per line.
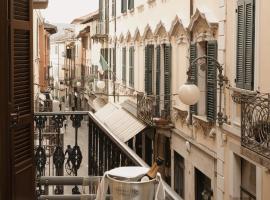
64 11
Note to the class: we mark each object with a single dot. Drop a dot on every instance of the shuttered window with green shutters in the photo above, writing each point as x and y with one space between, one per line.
130 4
211 82
149 52
194 72
167 78
124 59
157 111
123 6
245 44
131 66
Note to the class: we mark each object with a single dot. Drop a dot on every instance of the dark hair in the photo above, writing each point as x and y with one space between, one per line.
68 146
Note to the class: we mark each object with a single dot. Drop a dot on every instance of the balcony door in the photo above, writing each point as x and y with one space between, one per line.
16 135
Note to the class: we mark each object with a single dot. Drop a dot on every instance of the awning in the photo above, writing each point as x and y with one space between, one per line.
120 122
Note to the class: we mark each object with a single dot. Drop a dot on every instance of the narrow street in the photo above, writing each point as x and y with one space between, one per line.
69 139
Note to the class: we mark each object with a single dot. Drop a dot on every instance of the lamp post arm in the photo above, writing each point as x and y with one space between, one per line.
221 80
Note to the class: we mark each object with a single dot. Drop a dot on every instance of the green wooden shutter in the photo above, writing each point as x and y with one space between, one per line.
21 135
123 6
130 4
158 81
167 78
124 58
245 44
249 44
131 66
240 44
100 10
211 82
113 8
194 72
149 51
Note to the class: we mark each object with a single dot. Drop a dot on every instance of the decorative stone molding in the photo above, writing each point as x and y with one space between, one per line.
140 8
181 115
137 35
121 38
202 123
161 34
240 95
177 29
128 38
148 34
202 29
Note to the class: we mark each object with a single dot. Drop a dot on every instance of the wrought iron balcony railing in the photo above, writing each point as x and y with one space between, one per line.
98 29
153 110
255 124
104 151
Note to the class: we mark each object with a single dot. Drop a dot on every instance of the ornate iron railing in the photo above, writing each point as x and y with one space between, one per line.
255 124
153 110
105 151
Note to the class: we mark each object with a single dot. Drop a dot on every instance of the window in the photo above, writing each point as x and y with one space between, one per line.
124 59
179 174
248 180
204 74
245 44
203 189
163 79
131 66
130 4
123 6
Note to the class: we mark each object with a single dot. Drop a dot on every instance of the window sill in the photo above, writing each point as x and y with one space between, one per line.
131 10
241 94
180 114
201 122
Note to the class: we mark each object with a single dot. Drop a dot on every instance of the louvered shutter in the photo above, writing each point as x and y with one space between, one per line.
158 81
130 4
114 63
211 82
245 44
240 44
124 73
167 78
249 44
21 94
101 10
194 72
123 6
149 51
131 66
113 8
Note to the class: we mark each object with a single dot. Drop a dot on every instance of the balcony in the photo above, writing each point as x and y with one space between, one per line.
55 177
98 30
255 127
153 110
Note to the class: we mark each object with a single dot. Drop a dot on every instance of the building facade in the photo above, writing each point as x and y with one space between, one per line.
151 45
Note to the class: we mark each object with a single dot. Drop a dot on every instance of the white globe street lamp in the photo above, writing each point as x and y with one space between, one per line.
78 84
100 84
189 94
